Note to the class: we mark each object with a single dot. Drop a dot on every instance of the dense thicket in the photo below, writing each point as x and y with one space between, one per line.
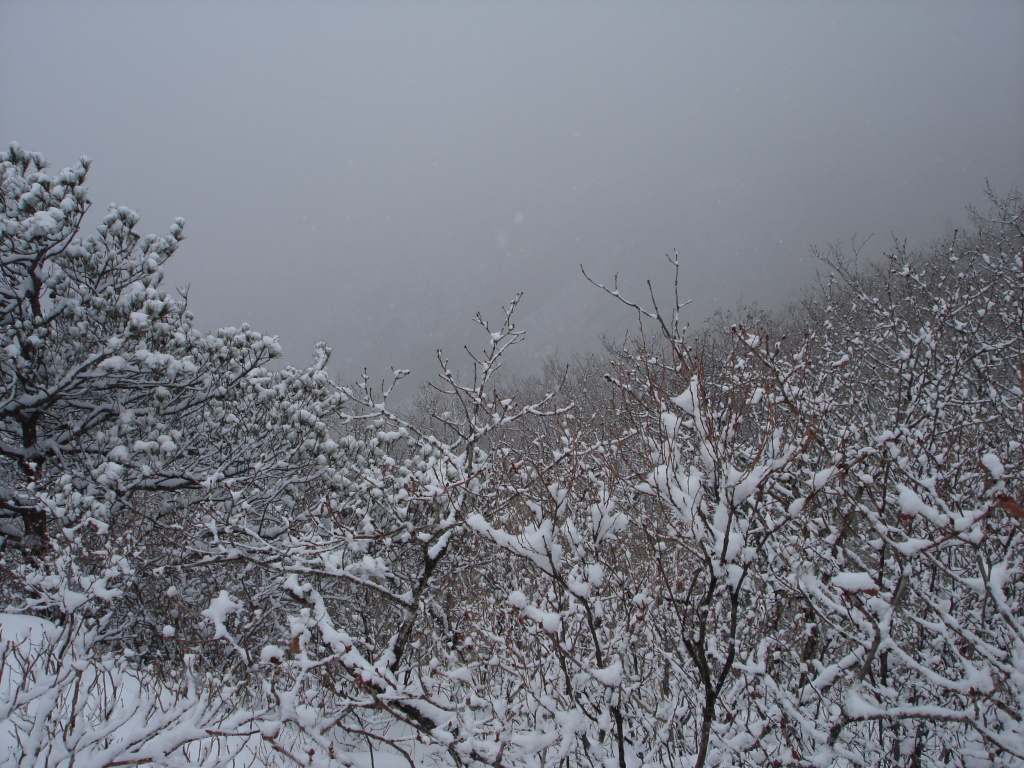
792 540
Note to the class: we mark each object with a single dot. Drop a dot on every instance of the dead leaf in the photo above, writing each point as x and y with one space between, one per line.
1010 506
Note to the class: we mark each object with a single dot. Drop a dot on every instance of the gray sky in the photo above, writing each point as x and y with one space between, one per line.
372 174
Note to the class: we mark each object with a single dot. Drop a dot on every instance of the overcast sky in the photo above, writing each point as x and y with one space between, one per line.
373 173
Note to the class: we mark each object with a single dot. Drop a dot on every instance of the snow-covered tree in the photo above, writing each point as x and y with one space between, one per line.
129 440
64 704
119 419
916 614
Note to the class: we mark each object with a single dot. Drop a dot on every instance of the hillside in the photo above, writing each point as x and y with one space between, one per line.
782 539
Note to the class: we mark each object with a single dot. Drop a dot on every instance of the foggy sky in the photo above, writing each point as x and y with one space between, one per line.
372 174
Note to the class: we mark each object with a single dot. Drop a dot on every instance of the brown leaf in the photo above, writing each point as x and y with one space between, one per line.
1010 506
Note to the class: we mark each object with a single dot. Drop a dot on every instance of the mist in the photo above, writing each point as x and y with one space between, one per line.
373 174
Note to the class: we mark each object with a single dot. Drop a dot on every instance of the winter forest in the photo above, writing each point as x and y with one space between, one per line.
777 539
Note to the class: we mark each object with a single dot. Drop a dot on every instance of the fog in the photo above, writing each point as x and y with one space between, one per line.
373 174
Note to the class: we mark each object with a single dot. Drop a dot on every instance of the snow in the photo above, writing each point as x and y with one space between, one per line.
610 675
73 600
19 629
854 582
220 608
821 478
994 466
687 401
114 364
911 504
